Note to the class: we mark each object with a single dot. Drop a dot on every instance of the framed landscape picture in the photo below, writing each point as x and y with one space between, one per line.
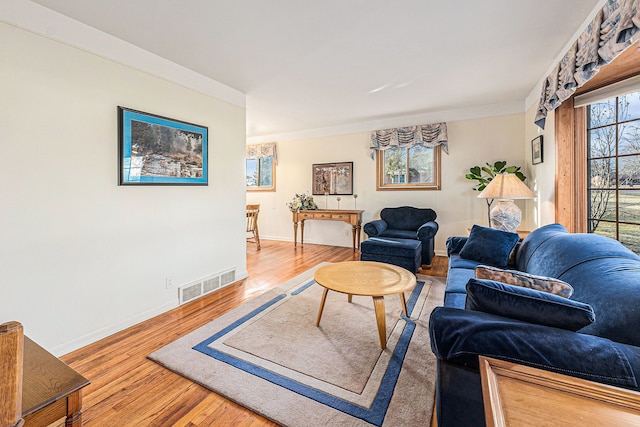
332 178
156 150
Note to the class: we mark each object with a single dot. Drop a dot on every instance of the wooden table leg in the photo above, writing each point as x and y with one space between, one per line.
302 232
381 319
349 297
324 298
74 410
353 237
295 234
403 300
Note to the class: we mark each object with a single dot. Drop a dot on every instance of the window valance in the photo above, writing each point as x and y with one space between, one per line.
258 151
612 30
430 135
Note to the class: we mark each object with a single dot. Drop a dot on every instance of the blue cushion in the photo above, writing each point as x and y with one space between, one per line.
489 246
527 305
394 247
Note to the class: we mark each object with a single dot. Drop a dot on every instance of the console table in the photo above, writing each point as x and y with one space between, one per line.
353 217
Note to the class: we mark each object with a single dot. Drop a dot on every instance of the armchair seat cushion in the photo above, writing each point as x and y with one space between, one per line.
398 234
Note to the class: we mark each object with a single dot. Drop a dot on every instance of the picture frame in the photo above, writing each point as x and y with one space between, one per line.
537 150
157 150
332 178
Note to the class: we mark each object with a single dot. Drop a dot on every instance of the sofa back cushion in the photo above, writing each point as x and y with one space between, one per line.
407 217
603 273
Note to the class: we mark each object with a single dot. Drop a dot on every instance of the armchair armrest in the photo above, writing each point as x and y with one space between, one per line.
460 336
427 230
374 228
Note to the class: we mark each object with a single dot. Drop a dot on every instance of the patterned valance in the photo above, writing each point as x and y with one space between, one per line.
428 135
613 29
258 151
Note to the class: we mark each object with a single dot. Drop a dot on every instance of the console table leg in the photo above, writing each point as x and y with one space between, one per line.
295 234
353 237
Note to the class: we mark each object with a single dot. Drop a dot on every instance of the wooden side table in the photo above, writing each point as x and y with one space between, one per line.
51 390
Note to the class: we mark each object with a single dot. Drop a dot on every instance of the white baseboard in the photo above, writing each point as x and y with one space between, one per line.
101 333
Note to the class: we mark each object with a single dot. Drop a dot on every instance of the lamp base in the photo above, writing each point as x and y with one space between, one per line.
506 216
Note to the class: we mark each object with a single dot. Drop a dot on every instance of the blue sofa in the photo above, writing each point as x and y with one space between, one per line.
407 222
603 273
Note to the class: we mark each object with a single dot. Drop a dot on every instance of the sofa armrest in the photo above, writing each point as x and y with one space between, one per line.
460 336
374 228
455 244
427 231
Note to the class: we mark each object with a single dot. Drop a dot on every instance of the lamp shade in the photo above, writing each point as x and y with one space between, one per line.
506 186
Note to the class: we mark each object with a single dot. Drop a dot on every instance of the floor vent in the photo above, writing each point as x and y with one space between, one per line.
194 290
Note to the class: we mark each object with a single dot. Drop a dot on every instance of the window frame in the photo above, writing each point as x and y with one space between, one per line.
408 186
259 187
617 190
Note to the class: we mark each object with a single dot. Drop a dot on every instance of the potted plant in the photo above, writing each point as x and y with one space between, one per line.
484 174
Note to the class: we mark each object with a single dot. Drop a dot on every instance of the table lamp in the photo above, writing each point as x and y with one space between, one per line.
506 187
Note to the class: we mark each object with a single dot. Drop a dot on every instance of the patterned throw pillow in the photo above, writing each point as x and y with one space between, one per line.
525 280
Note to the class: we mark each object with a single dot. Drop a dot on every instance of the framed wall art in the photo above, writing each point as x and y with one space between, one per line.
156 150
332 178
537 150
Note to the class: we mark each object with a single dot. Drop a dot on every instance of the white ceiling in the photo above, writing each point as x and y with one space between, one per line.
310 64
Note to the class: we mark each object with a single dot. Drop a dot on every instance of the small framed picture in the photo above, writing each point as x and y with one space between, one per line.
156 150
333 178
537 150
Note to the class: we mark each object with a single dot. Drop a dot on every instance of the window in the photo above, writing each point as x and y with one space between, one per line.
261 174
613 165
414 168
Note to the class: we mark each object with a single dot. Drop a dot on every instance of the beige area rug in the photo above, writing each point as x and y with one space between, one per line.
269 356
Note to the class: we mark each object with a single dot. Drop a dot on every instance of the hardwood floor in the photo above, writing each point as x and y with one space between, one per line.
129 390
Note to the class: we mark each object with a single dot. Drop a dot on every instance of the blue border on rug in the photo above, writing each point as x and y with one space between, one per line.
375 415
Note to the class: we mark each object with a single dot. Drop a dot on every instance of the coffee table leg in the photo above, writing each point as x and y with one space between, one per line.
378 304
324 297
403 300
349 297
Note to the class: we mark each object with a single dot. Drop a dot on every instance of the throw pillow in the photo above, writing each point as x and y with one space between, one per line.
527 305
526 280
489 246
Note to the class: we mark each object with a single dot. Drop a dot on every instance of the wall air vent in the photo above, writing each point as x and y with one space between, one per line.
194 290
228 277
190 292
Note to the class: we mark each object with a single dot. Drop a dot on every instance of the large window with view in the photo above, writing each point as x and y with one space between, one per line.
261 174
613 164
414 168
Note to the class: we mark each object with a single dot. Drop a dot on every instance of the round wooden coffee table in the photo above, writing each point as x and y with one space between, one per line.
368 278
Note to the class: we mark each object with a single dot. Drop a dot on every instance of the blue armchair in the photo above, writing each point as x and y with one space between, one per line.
407 222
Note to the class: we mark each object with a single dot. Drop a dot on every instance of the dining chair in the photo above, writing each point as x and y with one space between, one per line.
252 223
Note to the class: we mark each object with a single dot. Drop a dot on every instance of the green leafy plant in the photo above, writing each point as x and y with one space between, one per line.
484 174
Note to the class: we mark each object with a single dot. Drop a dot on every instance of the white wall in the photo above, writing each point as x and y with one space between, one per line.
471 142
82 257
542 175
